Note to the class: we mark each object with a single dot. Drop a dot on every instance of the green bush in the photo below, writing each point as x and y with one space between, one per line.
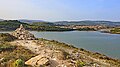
115 30
19 63
86 29
80 64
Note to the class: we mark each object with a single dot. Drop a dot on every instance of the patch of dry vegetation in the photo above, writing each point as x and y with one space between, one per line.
10 53
6 37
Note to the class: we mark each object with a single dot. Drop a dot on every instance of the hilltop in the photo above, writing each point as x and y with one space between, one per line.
88 22
30 21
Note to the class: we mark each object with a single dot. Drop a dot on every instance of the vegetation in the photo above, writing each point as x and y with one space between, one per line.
80 64
36 26
87 29
43 24
47 28
10 25
19 63
6 37
6 47
115 31
13 24
10 53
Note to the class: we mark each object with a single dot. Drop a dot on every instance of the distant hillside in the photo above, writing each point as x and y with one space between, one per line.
86 22
43 24
30 21
107 23
9 25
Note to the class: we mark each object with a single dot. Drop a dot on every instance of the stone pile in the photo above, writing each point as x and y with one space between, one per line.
23 34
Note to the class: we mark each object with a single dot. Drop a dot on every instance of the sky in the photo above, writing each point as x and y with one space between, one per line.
60 10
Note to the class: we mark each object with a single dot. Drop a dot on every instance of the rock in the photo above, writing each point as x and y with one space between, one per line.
59 55
50 58
37 61
23 34
43 61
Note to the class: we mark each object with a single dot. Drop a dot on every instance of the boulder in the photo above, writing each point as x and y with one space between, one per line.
37 61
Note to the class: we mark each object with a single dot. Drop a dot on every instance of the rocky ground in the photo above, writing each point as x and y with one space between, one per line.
52 53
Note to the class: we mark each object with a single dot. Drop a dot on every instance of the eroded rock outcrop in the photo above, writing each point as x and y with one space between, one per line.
23 34
50 58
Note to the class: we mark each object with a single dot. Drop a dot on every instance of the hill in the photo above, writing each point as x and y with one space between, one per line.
30 21
9 25
43 24
106 23
59 23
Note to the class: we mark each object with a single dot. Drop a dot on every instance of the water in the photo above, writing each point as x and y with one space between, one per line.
105 43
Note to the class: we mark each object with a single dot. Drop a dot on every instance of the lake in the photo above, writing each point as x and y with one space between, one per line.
105 43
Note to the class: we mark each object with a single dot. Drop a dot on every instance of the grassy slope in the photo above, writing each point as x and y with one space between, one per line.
11 25
9 53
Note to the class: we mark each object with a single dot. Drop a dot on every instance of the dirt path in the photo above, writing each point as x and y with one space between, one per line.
28 44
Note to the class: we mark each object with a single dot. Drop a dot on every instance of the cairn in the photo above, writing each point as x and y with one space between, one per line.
23 34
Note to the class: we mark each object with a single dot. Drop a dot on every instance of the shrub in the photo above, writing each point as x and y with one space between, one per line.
19 63
80 64
6 46
6 37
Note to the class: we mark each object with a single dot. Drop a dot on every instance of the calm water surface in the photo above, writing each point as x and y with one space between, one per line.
105 43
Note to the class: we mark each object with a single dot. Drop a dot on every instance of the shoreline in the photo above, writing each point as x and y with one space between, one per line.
77 46
94 56
108 54
71 45
63 31
72 53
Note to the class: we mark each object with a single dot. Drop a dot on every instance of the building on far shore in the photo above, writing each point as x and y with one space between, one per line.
22 34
